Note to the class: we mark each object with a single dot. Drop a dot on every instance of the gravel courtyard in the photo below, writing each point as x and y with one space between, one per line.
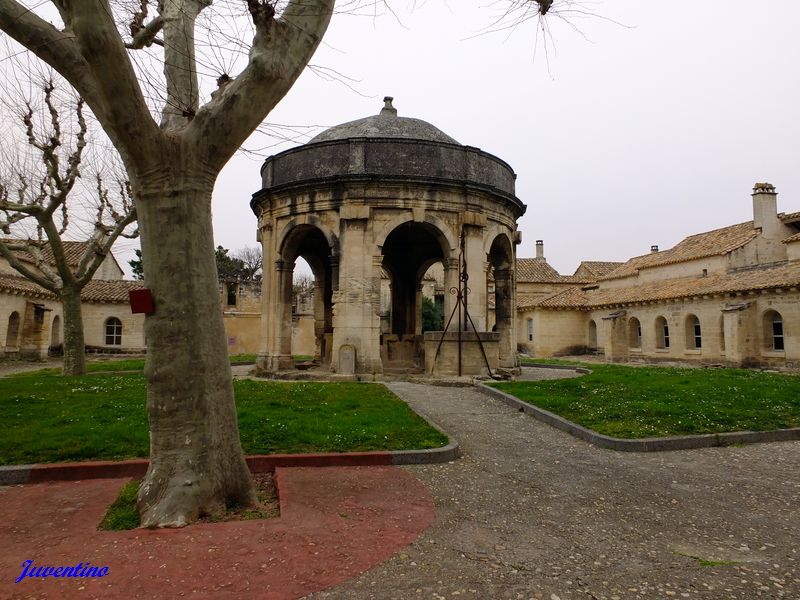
530 512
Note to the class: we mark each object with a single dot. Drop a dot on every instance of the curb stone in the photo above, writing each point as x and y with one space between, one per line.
660 444
581 370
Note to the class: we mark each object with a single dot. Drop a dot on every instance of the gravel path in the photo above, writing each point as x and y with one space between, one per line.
530 512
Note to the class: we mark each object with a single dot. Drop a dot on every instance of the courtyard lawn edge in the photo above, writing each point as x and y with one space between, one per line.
653 444
260 463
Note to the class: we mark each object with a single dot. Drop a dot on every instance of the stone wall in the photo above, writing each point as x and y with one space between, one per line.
554 332
733 330
303 338
793 250
242 329
95 317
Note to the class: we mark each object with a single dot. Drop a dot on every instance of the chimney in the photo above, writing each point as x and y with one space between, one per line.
653 248
540 249
765 210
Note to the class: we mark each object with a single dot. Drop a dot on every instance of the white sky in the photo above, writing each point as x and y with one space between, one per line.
643 135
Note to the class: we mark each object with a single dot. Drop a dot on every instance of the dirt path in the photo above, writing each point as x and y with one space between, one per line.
530 512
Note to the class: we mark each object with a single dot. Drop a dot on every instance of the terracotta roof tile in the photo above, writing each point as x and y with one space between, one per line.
535 270
14 284
72 250
114 292
597 268
794 238
109 291
524 300
790 217
574 297
711 243
783 276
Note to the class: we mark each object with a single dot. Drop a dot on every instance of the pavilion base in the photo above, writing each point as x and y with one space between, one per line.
472 360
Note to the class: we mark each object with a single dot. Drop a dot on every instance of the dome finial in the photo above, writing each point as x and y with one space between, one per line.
388 109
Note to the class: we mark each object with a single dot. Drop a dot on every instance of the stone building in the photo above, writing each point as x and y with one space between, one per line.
31 320
241 314
729 296
386 194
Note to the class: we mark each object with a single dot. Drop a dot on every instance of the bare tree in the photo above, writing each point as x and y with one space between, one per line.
196 462
253 260
43 196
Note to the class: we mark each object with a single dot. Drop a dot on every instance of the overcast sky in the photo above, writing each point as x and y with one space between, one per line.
645 133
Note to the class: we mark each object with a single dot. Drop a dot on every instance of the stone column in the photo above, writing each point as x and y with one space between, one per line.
739 333
450 282
280 354
319 317
265 236
356 319
34 333
503 313
418 310
615 336
476 269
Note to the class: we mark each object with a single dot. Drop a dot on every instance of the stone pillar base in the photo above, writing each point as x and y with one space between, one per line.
267 363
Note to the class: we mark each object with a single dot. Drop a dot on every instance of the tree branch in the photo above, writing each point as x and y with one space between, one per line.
124 112
38 278
145 35
96 253
180 67
57 48
280 51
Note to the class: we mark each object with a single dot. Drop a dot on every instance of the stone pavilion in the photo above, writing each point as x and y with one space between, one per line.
389 195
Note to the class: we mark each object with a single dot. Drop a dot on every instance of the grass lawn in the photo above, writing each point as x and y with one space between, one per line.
49 418
638 402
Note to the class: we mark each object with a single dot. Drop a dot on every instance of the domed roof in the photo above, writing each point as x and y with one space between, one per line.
386 124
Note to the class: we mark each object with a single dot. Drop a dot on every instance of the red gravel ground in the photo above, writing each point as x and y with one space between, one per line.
335 523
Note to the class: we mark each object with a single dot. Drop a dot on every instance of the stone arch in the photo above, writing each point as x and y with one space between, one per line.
408 252
693 335
318 248
662 333
447 238
492 233
501 261
634 333
55 332
772 325
591 335
301 222
12 331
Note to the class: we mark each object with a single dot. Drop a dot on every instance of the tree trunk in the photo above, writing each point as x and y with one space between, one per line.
74 345
196 462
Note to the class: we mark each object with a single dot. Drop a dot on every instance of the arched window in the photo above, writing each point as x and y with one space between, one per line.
55 332
634 333
694 334
773 331
722 334
529 332
12 333
113 332
592 335
662 333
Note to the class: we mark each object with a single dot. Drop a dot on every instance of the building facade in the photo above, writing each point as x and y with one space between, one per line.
729 296
31 319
